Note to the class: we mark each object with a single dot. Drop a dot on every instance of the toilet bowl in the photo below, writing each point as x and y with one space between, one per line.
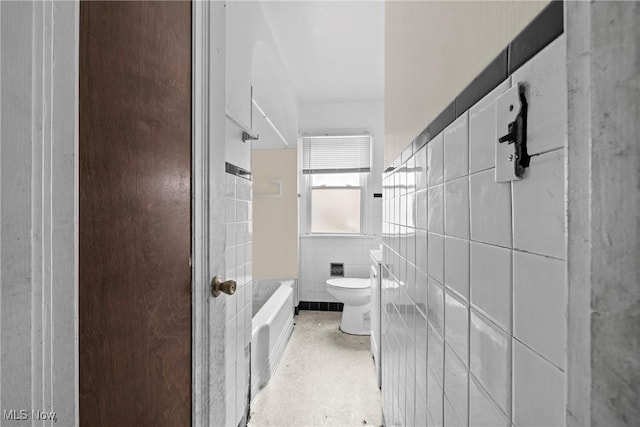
355 294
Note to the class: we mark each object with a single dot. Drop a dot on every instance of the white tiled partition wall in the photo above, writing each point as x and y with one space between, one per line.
238 197
474 294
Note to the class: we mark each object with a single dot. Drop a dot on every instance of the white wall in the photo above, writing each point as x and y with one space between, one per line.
317 252
433 51
254 66
38 207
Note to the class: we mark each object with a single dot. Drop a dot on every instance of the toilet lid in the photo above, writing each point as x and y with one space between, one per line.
350 282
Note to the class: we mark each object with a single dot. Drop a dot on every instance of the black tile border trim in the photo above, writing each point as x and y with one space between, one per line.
488 79
237 171
542 30
320 306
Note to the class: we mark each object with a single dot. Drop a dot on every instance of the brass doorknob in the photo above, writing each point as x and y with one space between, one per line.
218 286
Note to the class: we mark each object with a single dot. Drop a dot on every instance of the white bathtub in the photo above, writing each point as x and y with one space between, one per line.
272 326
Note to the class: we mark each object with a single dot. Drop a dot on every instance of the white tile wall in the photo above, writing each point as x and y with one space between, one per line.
435 397
435 258
538 207
456 148
450 415
490 209
538 390
238 200
491 359
545 81
456 386
491 282
317 254
456 313
435 209
456 210
435 354
435 305
456 265
481 298
540 305
483 411
482 130
435 161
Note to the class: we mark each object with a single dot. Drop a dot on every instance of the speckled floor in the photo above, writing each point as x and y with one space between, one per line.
325 378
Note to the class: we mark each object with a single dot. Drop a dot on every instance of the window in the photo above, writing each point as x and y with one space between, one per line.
335 170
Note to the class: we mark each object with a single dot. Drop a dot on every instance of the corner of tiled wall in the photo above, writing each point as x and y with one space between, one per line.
238 205
473 282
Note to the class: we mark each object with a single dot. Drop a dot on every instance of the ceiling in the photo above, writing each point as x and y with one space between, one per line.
332 50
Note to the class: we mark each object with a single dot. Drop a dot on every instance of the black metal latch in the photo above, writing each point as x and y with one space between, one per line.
517 135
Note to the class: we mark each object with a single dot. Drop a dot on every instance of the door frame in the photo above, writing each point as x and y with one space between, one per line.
208 215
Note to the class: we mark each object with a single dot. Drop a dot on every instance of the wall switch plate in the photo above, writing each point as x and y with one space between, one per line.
511 128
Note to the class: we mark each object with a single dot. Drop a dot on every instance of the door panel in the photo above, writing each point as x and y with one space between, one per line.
135 213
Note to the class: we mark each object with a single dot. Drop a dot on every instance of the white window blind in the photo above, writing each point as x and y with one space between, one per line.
335 154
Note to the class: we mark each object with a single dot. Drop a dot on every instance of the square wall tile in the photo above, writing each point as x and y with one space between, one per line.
421 292
421 251
435 256
456 148
421 352
410 174
230 234
456 335
435 161
490 209
411 209
421 408
540 305
456 378
230 185
539 208
491 285
483 411
431 421
421 168
482 130
456 208
421 210
435 306
435 354
491 359
411 284
451 418
435 396
545 80
435 209
538 390
456 265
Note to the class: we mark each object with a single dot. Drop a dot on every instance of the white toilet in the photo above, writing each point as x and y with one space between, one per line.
355 294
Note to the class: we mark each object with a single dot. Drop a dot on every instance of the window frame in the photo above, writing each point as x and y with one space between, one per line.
361 186
306 185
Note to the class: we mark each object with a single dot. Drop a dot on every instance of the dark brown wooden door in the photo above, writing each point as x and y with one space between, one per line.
135 213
